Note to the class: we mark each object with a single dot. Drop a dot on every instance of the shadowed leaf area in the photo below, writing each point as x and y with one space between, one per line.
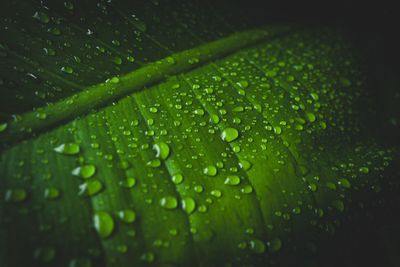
190 133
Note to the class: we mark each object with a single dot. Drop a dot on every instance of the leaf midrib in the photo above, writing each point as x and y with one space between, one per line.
96 96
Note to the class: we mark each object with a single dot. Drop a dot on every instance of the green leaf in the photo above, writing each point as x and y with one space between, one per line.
160 136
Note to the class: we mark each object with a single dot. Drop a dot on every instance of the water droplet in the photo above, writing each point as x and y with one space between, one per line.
103 223
245 165
243 84
169 202
188 204
68 5
296 210
41 115
331 185
232 180
274 245
310 116
148 257
198 188
162 150
130 58
42 17
313 187
153 110
90 188
216 193
277 130
155 163
117 60
229 134
170 60
67 70
67 149
210 170
364 169
247 189
127 215
51 193
343 182
257 246
129 182
3 127
214 118
177 178
85 171
15 195
314 96
199 112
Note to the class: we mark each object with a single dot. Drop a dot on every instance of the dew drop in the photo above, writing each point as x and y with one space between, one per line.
188 204
169 202
85 171
67 149
90 188
257 246
232 180
103 223
229 134
15 195
162 150
210 170
177 178
127 216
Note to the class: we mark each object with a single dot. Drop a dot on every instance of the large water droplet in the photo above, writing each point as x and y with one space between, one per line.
169 202
232 180
85 171
103 223
229 134
90 188
188 204
162 150
67 149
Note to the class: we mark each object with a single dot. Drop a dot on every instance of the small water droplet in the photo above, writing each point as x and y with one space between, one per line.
129 182
67 149
177 178
3 127
51 193
257 246
343 182
42 17
15 195
127 216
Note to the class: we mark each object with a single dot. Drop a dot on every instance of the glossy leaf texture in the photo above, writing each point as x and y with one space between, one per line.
249 159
